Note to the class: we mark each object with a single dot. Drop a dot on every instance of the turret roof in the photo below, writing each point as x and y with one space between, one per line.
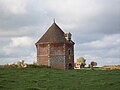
53 35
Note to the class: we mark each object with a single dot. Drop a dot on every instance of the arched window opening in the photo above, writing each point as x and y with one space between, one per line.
69 52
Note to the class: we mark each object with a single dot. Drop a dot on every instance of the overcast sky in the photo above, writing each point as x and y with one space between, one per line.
94 24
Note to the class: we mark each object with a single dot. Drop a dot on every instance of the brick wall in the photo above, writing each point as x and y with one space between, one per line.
69 56
42 54
56 55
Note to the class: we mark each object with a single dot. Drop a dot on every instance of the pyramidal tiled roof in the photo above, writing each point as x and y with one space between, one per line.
53 35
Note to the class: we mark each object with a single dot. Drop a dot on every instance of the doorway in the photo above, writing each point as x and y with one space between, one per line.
69 66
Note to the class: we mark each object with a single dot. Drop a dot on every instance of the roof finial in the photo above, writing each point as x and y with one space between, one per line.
54 20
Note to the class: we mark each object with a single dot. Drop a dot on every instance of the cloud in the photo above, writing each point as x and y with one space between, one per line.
17 43
73 13
21 41
102 50
26 19
106 42
80 13
17 48
13 6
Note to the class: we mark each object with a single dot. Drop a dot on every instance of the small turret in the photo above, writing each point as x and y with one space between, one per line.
68 36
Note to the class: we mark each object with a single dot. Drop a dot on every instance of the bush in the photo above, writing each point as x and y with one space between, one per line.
10 66
37 66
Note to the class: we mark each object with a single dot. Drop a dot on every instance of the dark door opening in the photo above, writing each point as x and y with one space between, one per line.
69 66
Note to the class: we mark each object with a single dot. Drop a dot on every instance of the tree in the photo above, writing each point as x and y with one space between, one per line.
92 64
81 61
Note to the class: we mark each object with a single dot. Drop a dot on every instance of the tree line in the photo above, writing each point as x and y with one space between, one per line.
81 62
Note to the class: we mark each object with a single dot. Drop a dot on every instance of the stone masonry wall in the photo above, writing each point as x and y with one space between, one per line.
57 56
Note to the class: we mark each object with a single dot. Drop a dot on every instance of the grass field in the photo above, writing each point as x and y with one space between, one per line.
51 79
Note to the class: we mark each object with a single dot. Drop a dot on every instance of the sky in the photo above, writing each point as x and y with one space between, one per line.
94 24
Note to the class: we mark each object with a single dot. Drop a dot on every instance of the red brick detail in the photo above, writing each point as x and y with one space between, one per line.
56 49
58 66
42 49
42 60
42 54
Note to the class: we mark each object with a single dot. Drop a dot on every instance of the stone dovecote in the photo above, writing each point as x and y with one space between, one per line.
55 49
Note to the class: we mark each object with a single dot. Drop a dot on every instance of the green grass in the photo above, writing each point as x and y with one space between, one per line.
51 79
